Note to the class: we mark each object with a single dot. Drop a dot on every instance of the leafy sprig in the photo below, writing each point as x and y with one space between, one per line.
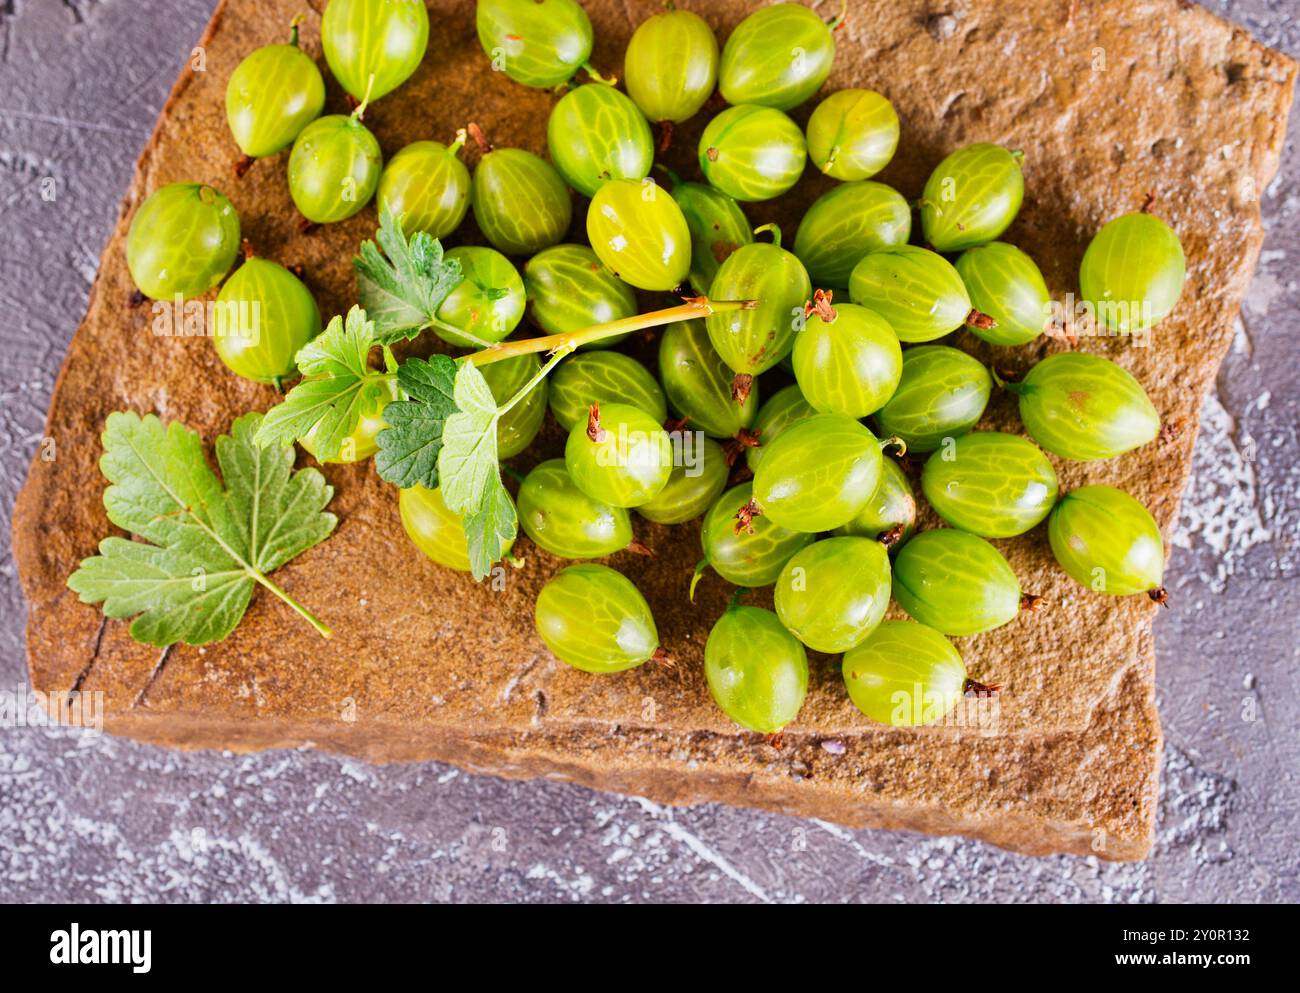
338 386
409 446
206 545
402 292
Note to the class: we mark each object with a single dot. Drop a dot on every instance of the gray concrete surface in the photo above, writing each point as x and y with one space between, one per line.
92 818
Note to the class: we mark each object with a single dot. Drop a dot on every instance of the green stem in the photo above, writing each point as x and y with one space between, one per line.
894 441
541 374
673 178
841 17
591 71
360 112
307 615
700 569
461 136
472 339
694 307
776 232
293 28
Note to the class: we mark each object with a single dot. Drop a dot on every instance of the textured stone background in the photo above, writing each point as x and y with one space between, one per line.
87 817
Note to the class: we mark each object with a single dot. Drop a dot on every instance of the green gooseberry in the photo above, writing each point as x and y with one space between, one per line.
436 530
699 385
905 675
818 474
991 484
520 202
890 514
426 187
264 315
918 292
847 360
844 224
564 521
334 167
752 341
941 393
182 240
594 134
539 43
671 65
569 289
603 377
273 94
1005 284
487 305
621 456
1082 406
1132 273
852 134
1107 541
751 152
749 556
972 197
833 593
596 620
518 426
955 582
694 485
756 670
778 56
638 231
373 46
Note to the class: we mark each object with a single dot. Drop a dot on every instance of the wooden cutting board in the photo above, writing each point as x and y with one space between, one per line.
1108 101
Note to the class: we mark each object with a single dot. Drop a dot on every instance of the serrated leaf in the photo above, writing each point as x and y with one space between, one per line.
469 443
206 545
403 291
337 389
491 529
469 474
410 445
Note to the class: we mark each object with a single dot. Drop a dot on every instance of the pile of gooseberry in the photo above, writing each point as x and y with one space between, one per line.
800 490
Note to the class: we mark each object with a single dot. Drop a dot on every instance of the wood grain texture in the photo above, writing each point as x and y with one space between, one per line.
437 668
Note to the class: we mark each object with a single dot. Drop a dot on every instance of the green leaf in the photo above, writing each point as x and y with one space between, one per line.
207 545
337 388
402 293
469 473
469 443
409 446
491 528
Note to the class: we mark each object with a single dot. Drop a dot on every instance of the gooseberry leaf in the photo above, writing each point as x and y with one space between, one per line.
491 528
338 385
409 446
206 545
402 292
470 474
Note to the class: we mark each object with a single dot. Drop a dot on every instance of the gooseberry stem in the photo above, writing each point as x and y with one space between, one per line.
836 22
591 71
360 112
774 228
896 443
461 136
477 342
558 354
570 340
673 178
293 28
321 628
